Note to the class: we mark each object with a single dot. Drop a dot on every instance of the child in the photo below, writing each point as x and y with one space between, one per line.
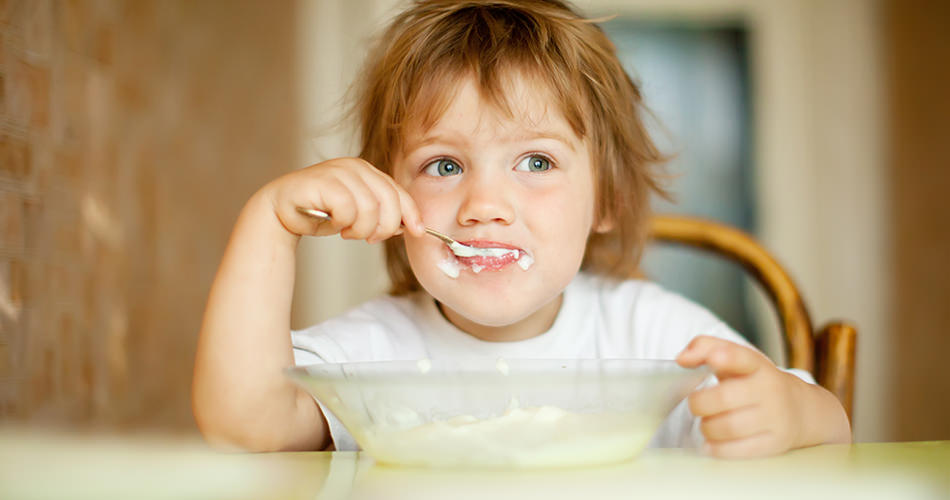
507 124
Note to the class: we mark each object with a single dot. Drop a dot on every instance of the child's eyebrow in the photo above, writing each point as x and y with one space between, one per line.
542 134
461 140
433 139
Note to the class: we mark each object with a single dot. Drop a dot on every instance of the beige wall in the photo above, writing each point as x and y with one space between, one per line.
918 49
333 274
132 132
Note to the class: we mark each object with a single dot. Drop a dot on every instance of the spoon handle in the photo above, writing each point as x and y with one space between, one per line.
321 215
316 214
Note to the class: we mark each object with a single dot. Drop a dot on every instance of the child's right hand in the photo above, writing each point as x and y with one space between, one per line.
363 202
247 318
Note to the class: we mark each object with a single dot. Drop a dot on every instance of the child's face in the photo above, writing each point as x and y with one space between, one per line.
487 180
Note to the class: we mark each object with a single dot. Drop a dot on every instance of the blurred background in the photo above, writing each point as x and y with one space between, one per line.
133 132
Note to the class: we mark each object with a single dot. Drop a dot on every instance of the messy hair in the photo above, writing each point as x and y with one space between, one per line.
411 74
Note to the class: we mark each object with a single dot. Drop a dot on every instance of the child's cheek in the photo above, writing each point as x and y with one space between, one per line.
436 212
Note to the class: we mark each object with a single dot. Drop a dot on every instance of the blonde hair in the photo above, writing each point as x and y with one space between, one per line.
410 76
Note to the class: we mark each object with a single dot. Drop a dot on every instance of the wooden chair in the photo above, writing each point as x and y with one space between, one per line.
829 356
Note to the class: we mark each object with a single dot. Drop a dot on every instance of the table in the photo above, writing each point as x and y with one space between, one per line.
869 470
98 467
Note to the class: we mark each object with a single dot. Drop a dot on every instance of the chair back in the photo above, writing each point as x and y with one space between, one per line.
829 356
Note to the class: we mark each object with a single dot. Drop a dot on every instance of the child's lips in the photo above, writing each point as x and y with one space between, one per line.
490 263
489 244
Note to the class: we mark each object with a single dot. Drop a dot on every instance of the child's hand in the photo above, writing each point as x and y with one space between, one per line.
247 318
364 203
757 409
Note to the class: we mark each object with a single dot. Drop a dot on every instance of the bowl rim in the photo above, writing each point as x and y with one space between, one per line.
490 367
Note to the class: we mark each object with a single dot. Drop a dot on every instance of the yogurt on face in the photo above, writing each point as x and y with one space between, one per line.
525 261
461 250
478 259
450 266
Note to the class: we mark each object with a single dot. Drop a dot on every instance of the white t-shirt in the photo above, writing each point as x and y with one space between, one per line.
599 318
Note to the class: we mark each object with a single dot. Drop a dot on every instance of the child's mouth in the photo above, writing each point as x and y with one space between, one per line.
484 256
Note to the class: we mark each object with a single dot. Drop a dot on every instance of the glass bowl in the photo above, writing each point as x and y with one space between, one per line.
501 413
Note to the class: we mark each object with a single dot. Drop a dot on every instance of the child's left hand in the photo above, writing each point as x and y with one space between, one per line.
757 409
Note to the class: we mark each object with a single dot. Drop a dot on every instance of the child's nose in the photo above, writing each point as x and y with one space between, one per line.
486 199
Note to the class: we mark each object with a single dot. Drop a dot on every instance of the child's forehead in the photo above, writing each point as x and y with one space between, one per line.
519 105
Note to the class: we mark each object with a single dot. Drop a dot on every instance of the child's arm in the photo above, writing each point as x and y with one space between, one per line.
757 409
240 396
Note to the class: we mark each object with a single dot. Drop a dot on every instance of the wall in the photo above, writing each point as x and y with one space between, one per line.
132 132
918 49
333 274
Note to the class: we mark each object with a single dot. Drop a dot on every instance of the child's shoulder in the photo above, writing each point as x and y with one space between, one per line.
634 295
647 319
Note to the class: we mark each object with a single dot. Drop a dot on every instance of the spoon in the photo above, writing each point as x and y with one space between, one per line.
321 215
459 249
454 245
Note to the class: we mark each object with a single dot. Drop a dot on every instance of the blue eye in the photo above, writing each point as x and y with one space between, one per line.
442 167
534 163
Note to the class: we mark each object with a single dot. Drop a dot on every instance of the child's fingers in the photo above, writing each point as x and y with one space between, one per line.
410 212
390 212
367 207
337 199
735 424
362 202
734 361
404 209
726 359
411 217
758 445
696 351
724 397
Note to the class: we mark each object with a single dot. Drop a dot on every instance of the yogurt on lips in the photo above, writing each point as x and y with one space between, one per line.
481 256
486 255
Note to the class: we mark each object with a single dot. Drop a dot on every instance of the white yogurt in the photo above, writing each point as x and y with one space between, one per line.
525 261
502 366
467 251
450 266
539 436
424 366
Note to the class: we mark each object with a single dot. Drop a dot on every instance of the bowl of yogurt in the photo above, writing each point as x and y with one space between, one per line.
501 413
